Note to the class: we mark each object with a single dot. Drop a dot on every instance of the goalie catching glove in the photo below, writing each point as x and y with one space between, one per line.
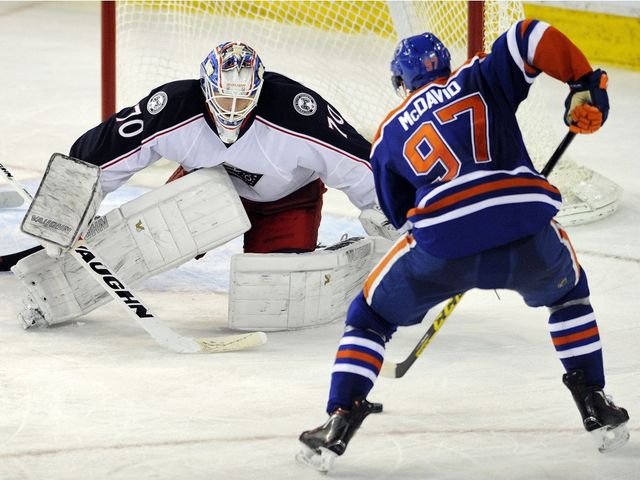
587 106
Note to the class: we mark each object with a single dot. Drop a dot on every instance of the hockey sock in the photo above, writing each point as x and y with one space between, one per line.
358 362
575 335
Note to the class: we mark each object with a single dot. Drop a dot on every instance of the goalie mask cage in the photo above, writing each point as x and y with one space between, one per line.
340 49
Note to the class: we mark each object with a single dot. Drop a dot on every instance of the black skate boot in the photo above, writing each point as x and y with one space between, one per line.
600 416
322 445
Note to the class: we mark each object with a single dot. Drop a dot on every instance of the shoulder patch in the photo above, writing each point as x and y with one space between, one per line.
157 102
305 104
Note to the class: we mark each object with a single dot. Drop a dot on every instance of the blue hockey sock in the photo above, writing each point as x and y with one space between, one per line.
358 362
575 335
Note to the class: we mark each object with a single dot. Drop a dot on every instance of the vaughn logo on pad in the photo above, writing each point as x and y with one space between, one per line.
52 224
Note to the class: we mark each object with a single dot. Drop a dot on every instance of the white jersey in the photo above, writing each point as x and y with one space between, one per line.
290 139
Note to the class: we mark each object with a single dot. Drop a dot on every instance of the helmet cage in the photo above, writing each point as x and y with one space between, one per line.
231 79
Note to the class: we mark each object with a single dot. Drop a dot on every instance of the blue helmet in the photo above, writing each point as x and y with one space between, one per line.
231 78
417 61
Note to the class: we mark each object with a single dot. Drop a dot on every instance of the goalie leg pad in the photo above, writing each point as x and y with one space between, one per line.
58 289
160 230
65 203
286 291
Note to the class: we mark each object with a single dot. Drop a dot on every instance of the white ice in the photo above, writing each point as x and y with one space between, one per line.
97 398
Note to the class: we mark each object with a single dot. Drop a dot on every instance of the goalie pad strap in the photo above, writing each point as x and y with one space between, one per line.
157 231
283 291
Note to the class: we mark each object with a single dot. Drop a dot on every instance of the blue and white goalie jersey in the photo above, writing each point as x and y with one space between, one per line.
290 139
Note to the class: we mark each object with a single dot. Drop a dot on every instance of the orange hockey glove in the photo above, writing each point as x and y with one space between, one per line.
587 106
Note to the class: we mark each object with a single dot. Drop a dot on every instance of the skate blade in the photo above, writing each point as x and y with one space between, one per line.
609 439
321 462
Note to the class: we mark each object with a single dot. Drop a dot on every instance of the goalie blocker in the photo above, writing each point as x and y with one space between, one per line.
155 232
284 291
65 203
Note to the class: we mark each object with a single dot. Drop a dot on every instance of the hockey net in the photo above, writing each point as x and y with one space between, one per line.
342 50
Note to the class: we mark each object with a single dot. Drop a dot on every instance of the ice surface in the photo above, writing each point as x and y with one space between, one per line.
97 398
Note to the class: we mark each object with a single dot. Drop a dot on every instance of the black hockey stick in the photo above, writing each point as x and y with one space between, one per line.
566 141
397 370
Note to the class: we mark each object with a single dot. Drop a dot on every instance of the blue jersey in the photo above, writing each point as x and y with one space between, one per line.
452 161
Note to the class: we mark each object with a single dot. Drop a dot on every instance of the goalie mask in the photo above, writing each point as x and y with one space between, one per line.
418 60
231 79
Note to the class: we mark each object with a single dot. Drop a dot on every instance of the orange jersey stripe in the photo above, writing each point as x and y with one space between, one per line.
365 357
592 332
530 70
375 273
524 25
480 189
565 237
558 57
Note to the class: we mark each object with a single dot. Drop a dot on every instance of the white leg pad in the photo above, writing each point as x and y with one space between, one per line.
287 291
160 230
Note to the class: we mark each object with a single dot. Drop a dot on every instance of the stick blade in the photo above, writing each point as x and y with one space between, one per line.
389 370
231 343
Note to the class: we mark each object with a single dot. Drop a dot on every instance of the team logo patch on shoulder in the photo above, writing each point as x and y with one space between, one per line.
305 104
157 103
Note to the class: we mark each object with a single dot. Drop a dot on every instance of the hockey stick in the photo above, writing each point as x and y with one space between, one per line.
397 370
566 141
162 334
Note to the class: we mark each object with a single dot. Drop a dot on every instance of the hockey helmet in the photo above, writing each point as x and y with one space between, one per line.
417 61
231 78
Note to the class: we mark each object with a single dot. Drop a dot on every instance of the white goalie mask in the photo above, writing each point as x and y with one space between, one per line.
231 79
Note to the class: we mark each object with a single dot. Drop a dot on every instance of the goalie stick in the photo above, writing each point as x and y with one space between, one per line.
162 334
397 370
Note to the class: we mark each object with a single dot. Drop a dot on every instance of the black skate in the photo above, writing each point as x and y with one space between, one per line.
322 445
600 416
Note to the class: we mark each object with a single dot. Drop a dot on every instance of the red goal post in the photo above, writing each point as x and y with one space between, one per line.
108 58
340 49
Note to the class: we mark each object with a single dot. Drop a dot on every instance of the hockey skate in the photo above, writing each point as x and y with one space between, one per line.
600 416
322 445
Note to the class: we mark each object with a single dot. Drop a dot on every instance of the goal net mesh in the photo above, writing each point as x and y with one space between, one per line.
340 49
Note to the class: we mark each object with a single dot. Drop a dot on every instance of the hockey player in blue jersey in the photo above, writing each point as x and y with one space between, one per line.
451 164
